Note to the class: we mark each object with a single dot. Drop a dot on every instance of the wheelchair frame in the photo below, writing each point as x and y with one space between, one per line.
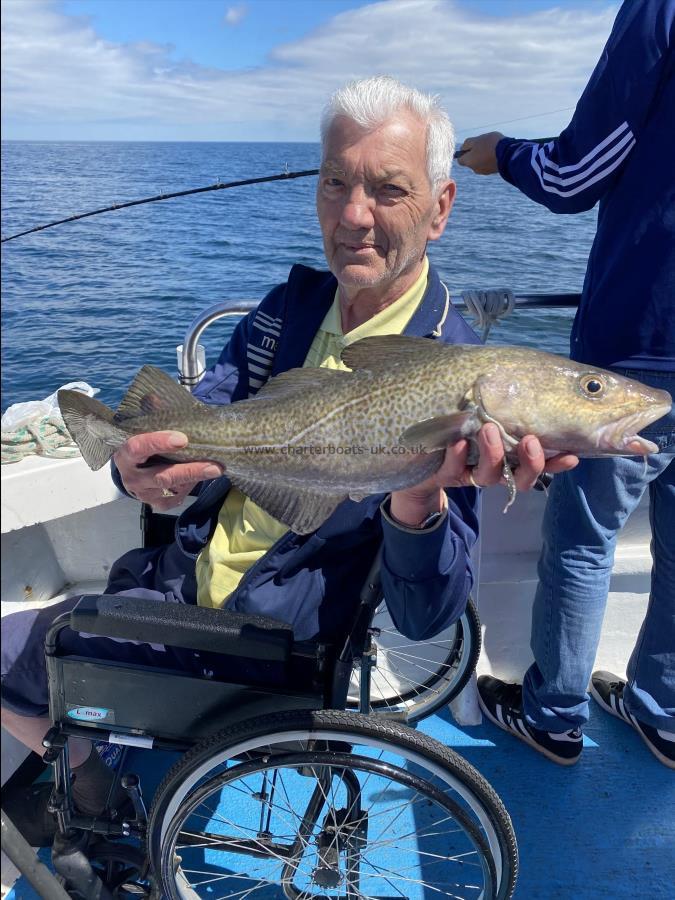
318 679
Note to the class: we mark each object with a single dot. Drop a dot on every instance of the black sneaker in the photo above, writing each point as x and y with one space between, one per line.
607 690
502 703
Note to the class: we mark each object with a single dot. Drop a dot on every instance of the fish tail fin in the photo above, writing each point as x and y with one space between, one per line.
90 424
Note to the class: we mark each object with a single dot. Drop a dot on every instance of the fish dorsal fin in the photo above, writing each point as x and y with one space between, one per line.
437 433
152 390
302 510
298 381
384 351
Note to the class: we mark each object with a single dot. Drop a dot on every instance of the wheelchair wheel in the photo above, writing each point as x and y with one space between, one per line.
419 677
328 805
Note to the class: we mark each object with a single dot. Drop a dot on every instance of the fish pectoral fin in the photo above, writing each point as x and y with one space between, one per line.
151 390
437 433
385 350
297 381
302 510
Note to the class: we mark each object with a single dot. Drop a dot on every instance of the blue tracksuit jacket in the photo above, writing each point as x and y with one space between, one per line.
619 149
313 581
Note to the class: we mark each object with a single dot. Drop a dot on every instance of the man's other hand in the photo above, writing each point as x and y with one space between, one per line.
412 505
163 485
489 469
479 153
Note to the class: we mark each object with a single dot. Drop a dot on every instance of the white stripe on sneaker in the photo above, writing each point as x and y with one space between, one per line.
564 737
520 726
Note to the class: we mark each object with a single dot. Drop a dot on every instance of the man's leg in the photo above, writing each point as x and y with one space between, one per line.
589 508
29 731
650 692
586 508
574 572
646 701
91 783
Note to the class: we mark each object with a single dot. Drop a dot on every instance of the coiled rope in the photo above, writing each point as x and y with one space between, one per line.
48 437
488 306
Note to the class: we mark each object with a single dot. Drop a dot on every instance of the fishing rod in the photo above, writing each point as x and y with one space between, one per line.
284 176
219 186
459 153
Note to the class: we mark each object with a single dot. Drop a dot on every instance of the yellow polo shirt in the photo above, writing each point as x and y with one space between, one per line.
245 532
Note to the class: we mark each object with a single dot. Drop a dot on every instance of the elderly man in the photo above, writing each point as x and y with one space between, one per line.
384 191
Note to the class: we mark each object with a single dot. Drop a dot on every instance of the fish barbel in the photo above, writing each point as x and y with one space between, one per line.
312 438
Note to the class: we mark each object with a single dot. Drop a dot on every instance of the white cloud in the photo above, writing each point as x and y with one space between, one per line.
60 79
235 14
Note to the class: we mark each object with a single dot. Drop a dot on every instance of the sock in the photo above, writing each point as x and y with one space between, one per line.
91 784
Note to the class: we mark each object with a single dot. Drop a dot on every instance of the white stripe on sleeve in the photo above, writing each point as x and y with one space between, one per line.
603 173
581 176
597 149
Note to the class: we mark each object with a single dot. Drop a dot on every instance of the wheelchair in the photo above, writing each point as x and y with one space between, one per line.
281 792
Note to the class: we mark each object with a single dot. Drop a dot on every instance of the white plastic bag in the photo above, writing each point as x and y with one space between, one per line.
18 415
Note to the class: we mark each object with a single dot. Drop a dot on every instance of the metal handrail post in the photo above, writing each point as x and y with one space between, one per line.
22 855
190 373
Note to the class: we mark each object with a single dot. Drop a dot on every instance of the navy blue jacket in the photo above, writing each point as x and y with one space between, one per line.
619 149
313 581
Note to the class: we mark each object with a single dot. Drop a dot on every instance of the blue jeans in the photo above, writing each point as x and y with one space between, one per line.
586 509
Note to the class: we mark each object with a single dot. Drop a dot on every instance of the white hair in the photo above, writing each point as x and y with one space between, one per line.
371 101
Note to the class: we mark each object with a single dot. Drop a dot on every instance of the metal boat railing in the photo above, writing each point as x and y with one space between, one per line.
192 364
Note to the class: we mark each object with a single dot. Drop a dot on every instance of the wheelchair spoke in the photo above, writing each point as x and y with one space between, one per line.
338 830
423 884
418 677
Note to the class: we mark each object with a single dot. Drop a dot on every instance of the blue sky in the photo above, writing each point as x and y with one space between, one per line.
262 69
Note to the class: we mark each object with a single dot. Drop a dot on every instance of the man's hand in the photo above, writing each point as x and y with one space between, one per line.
412 505
152 484
479 153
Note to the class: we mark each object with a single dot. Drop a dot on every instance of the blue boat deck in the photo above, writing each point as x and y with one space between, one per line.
601 830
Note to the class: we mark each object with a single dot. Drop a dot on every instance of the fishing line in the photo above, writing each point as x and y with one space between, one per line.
479 128
284 176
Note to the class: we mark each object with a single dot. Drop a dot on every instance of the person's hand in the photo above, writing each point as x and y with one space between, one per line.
479 153
412 505
163 485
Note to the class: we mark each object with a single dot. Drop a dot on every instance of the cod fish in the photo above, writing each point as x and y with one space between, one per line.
312 438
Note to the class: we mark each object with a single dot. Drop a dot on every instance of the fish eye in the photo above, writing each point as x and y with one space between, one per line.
592 385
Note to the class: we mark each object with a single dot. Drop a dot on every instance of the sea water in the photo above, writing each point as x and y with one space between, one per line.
94 300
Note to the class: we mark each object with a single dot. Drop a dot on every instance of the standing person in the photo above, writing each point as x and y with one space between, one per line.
384 191
617 151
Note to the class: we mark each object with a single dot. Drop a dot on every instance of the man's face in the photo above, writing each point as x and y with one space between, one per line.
375 204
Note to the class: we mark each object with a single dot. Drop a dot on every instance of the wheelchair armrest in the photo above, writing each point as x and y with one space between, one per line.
182 625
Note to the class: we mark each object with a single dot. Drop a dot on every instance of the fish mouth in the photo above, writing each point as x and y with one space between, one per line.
621 436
